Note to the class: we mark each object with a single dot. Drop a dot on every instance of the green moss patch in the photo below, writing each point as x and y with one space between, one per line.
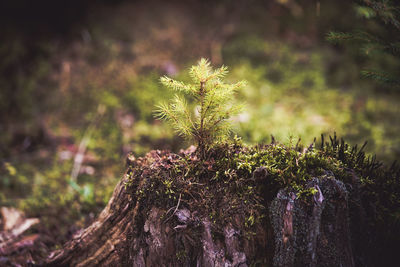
236 184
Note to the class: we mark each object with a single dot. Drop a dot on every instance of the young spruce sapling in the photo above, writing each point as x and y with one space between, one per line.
210 123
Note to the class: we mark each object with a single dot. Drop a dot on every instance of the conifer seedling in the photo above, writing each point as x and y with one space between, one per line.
209 123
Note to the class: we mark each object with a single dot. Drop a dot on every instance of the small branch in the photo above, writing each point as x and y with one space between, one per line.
176 208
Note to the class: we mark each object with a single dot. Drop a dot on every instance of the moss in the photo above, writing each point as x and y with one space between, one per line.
181 255
236 179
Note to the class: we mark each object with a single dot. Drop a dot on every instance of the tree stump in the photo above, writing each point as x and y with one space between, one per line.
133 231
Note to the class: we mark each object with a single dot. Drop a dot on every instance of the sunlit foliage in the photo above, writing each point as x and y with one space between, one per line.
214 98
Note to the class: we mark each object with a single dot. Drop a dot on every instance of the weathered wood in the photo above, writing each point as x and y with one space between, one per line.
314 234
128 232
105 240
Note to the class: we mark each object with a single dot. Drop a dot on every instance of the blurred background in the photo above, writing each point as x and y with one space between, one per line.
79 80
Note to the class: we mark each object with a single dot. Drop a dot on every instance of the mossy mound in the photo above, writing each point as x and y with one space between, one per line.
236 185
269 205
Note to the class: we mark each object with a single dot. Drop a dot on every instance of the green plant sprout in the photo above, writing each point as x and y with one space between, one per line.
209 123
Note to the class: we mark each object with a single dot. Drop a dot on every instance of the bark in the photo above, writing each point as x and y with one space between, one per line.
314 234
128 232
120 238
